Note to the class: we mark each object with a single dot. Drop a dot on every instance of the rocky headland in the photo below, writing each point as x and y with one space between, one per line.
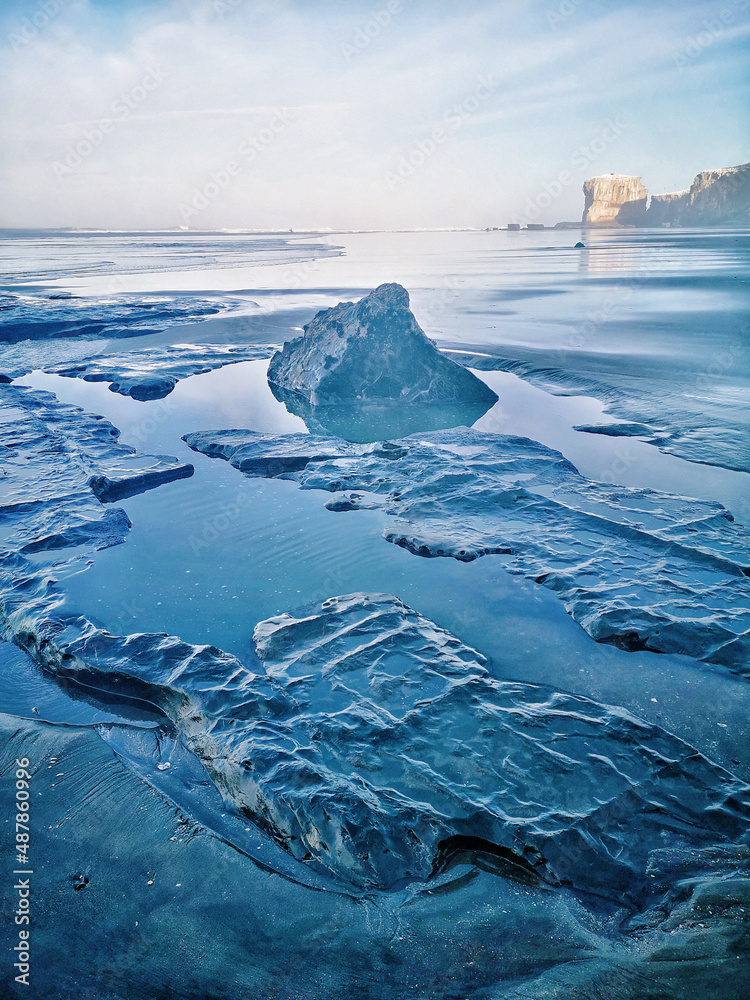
715 198
613 198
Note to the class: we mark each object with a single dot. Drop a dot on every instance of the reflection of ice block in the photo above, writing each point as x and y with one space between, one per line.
377 421
374 352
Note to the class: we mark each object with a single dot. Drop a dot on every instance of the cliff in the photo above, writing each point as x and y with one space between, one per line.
719 197
715 198
614 198
666 209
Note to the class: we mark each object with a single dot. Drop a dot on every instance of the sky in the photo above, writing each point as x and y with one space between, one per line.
304 114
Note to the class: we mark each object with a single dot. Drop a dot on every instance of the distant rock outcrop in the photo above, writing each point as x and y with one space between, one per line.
615 198
666 209
715 198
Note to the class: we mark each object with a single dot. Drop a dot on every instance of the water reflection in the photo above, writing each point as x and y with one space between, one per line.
366 422
600 254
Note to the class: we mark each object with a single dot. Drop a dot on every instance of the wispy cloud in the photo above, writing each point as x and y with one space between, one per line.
187 115
227 67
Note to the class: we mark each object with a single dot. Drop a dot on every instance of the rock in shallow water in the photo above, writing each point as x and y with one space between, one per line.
636 568
29 316
153 373
617 429
438 758
372 353
102 832
375 747
59 465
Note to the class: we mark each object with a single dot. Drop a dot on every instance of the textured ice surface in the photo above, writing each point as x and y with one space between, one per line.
694 408
636 568
25 316
115 854
38 255
375 747
153 373
58 463
372 353
26 355
401 752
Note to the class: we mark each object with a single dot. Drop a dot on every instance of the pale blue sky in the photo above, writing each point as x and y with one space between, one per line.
389 113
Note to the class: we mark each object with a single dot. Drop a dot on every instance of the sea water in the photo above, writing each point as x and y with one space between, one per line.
653 319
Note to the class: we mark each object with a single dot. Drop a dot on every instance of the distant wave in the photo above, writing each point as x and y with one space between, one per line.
87 254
